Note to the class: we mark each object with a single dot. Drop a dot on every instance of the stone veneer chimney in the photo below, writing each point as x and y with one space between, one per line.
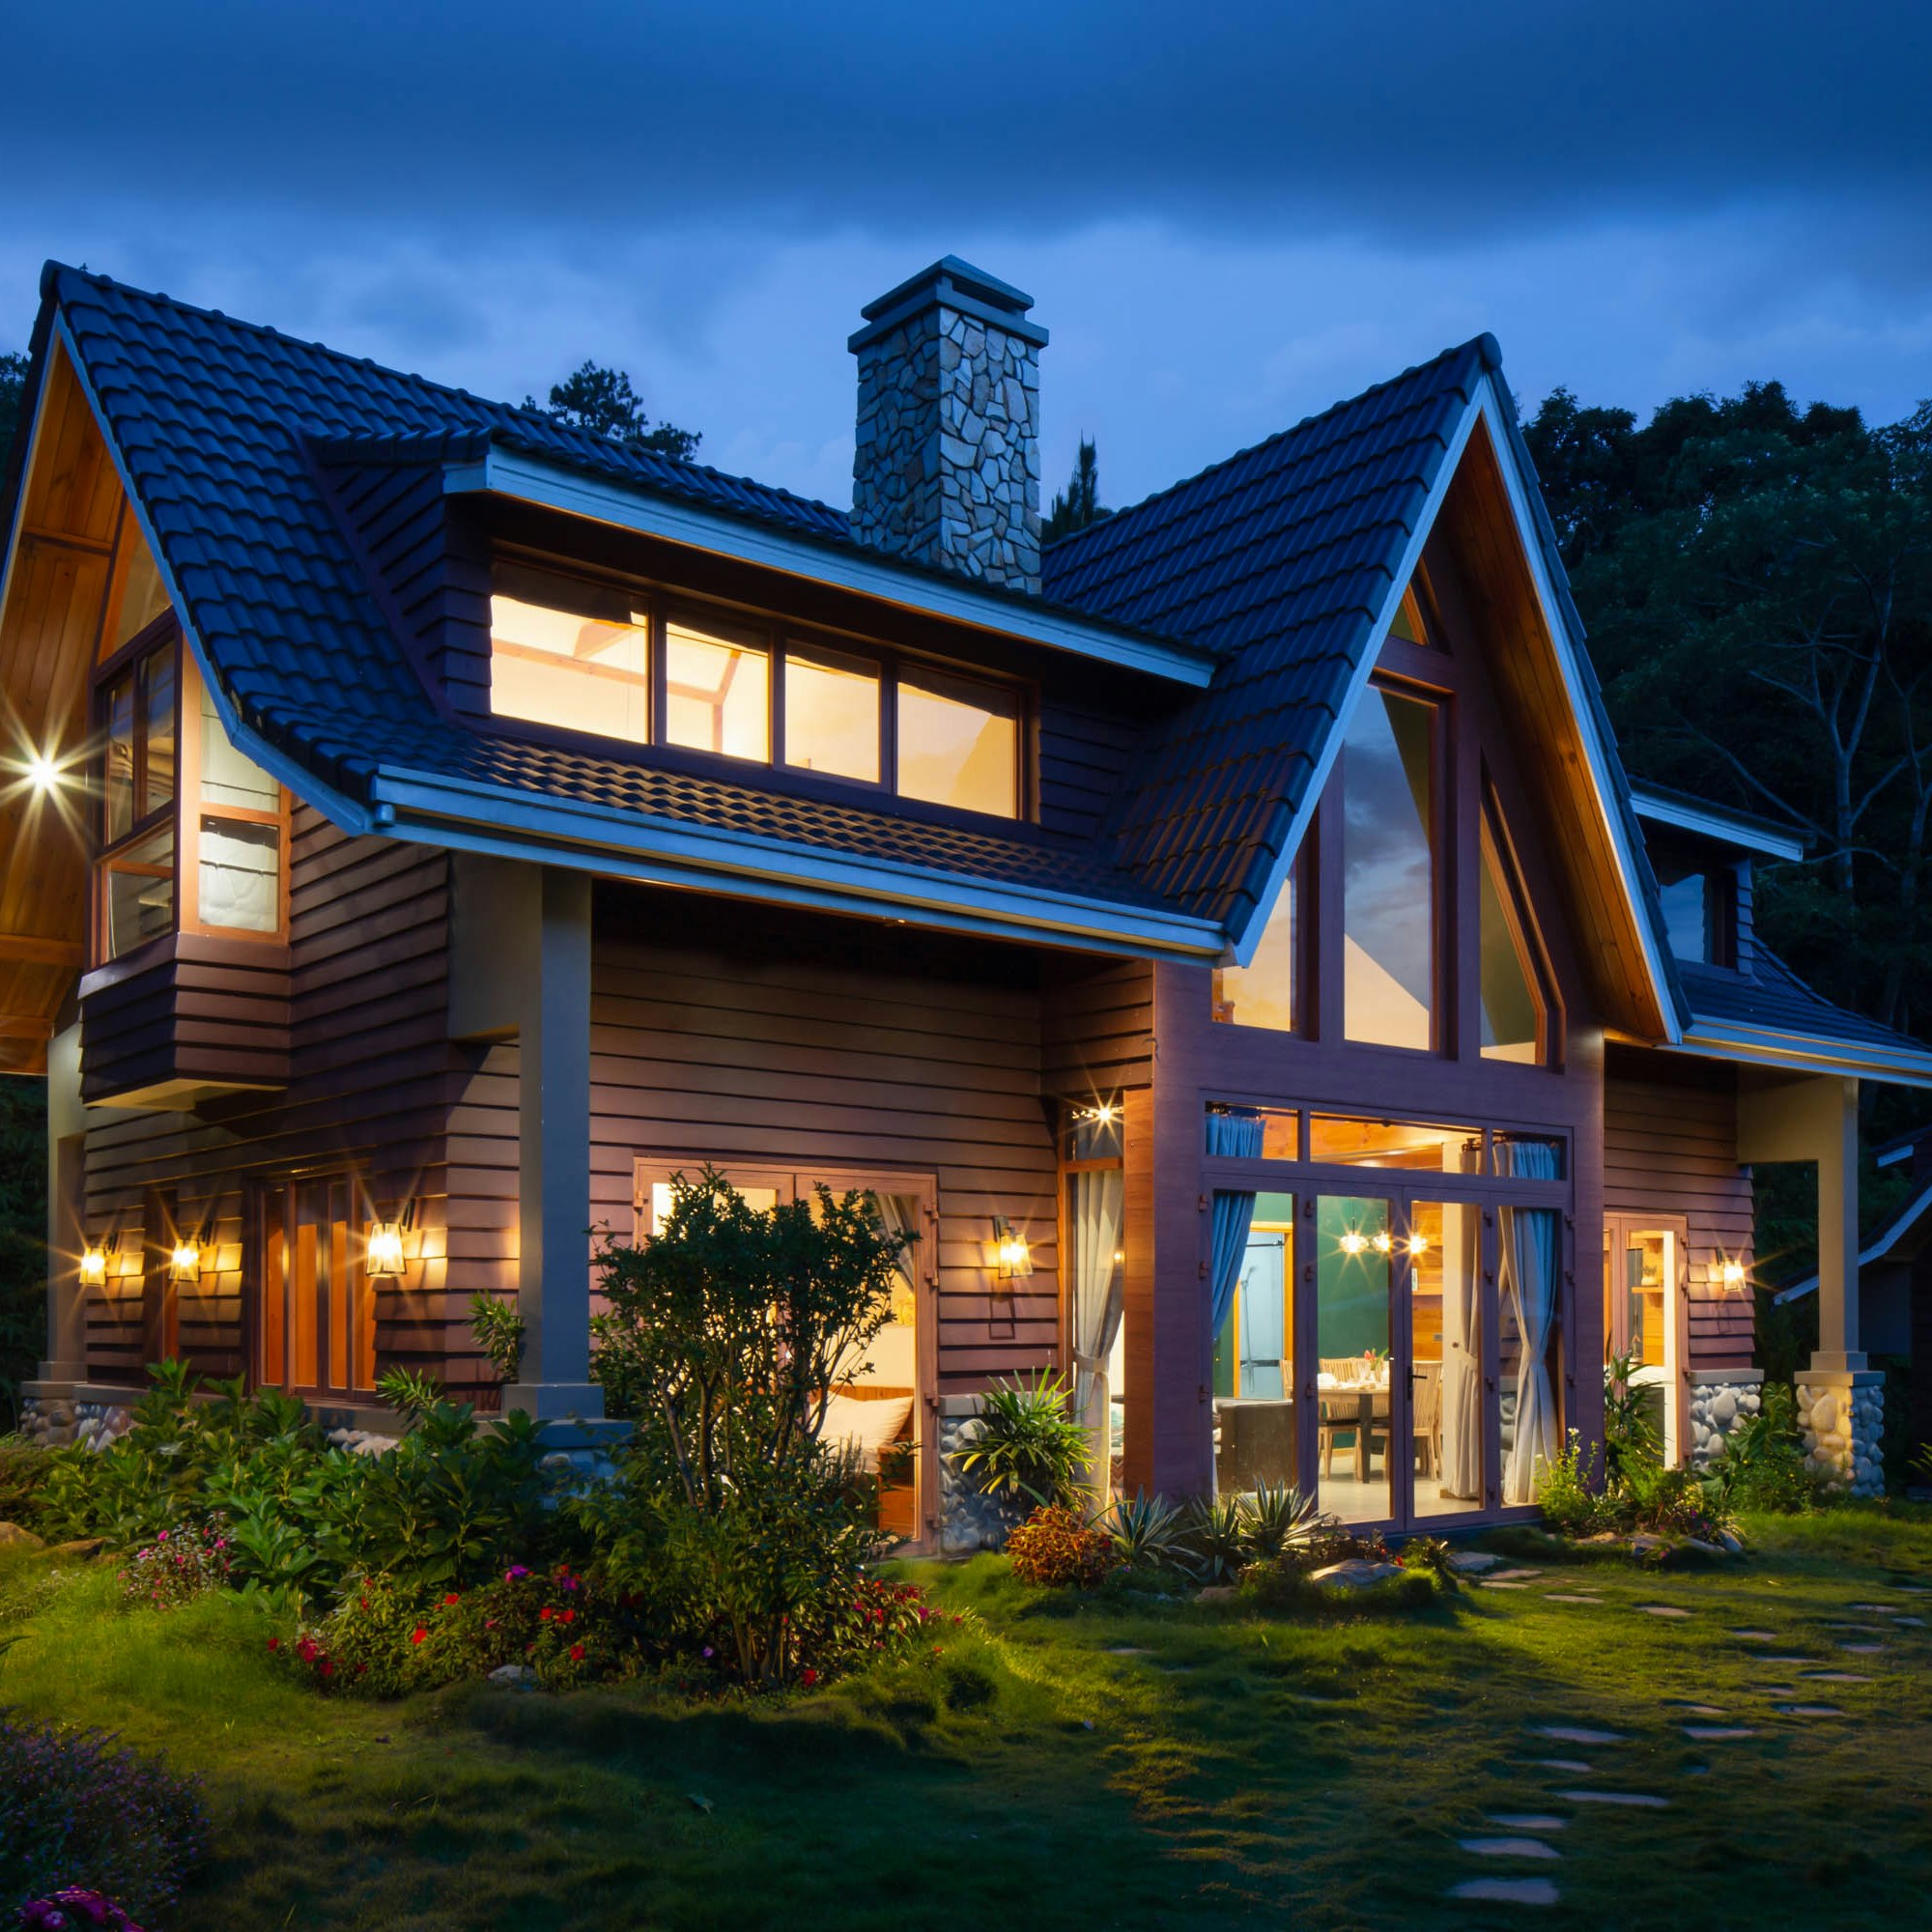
947 465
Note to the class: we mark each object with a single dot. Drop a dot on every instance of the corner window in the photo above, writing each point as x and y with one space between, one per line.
602 661
1516 1013
1389 866
1262 993
192 834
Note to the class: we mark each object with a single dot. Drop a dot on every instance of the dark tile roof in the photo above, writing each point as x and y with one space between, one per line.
222 425
1281 558
1773 999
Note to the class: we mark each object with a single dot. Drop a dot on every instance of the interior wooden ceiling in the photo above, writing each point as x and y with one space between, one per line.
56 589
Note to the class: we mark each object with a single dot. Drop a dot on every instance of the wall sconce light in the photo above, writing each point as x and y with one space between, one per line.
93 1261
1732 1274
383 1254
1102 1113
185 1261
1353 1243
1012 1258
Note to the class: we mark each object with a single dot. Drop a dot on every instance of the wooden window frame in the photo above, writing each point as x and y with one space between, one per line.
778 636
183 812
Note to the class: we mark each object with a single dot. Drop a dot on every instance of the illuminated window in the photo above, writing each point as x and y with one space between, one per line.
136 890
1388 884
717 692
1515 1011
1408 624
958 743
832 714
559 666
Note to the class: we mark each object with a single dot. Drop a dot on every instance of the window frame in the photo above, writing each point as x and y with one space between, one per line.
532 579
182 813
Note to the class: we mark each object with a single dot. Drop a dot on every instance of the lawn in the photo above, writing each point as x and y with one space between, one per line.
1086 1762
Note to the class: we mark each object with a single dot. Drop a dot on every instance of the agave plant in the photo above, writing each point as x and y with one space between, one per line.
1215 1538
1147 1531
1276 1516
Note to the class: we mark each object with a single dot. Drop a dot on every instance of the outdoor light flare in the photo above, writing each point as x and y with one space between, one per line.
1353 1243
184 1264
1419 1244
42 773
93 1266
1384 1243
384 1254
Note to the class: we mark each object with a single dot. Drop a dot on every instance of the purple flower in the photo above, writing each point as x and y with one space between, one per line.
516 1572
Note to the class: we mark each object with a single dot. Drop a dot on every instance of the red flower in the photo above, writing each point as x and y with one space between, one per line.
327 1669
570 1616
807 1677
544 1614
419 1633
577 1652
450 1598
274 1643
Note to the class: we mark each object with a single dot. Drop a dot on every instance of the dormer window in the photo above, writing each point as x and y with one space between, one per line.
1696 912
612 662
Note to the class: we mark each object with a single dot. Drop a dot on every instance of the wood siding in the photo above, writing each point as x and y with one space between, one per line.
370 1075
1670 1147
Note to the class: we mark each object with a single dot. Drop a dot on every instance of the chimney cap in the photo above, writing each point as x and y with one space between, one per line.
957 285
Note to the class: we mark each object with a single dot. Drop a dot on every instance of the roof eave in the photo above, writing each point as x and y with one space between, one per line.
1712 823
554 486
1809 1053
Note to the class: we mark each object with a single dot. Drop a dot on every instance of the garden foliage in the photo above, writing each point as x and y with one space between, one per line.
75 1811
1026 1447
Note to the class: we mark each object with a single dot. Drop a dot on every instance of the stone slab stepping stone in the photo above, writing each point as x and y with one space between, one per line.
1834 1677
1858 1630
1568 1597
1474 1562
1509 1848
1907 1623
1520 1575
1783 1661
1863 1649
1126 1650
1637 1799
1507 1890
1662 1611
1810 1711
1754 1637
1884 1609
1574 1765
1499 1584
1526 1821
1579 1734
1716 1734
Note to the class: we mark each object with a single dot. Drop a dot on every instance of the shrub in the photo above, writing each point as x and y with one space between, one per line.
75 1811
23 1475
1054 1548
180 1564
71 1908
1631 1440
499 1330
1146 1532
1278 1516
1762 1465
889 1621
1026 1447
1214 1539
720 1337
1571 1505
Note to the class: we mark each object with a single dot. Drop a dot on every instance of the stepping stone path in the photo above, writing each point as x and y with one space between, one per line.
1574 1766
1568 1597
1755 1636
1716 1734
1662 1611
1907 1623
1863 1649
1858 1630
1507 1890
1834 1677
1526 1821
1884 1609
1639 1800
1809 1710
1783 1661
1577 1734
1474 1562
1509 1848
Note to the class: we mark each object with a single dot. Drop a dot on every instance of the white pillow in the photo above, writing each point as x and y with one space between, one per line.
865 1428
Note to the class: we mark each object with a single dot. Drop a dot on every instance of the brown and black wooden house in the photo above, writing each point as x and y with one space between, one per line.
1227 940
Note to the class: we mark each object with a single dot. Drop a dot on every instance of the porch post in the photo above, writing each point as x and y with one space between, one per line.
1841 1398
520 968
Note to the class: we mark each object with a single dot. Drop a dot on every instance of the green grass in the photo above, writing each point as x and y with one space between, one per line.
1304 1768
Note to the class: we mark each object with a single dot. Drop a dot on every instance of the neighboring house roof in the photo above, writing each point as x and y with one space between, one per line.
1770 1013
1900 1239
1747 830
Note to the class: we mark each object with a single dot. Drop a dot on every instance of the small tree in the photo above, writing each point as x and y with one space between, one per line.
721 1339
1078 506
603 400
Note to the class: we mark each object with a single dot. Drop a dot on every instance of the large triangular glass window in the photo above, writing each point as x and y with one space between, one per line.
1515 1008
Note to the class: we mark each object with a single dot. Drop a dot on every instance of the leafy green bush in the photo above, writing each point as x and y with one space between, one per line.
76 1811
23 1475
1571 1503
180 1565
1054 1548
499 1330
1148 1532
1026 1447
732 1524
1278 1516
1214 1541
1631 1440
1762 1465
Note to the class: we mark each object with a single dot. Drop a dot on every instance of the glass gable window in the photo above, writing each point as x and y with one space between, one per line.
1687 915
832 714
717 692
958 743
1388 886
1514 1010
1262 993
136 894
562 667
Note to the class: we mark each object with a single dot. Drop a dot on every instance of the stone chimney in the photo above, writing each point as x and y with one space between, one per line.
947 466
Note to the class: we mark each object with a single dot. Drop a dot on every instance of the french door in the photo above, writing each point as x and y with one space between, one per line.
1399 1383
1645 1263
315 1308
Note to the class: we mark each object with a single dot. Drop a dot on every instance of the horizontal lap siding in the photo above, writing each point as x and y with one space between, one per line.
1670 1148
370 1077
796 1043
1098 1028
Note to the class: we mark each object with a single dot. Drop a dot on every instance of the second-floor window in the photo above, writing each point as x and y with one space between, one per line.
193 834
614 664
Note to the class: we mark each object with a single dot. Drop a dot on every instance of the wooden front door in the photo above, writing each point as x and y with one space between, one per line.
314 1314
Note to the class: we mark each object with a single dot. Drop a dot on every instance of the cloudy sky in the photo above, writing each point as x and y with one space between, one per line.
1228 214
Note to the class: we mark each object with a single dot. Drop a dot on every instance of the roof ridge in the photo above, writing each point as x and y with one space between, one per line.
53 270
1487 350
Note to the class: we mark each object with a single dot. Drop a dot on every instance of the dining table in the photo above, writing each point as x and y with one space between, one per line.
1363 1405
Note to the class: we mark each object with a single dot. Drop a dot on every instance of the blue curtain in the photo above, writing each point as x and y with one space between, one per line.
1531 1245
1238 1135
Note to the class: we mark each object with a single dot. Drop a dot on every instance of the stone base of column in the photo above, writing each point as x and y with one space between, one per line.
557 1402
1719 1400
1841 1419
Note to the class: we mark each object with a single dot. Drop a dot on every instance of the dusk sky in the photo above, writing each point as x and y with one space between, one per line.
1228 216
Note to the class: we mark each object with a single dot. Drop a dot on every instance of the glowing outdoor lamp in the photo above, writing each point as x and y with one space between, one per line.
93 1268
42 773
383 1257
1732 1274
185 1261
1012 1258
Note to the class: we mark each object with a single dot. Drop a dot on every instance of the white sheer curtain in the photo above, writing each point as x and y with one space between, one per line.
1530 1239
1093 1213
898 1214
1462 1344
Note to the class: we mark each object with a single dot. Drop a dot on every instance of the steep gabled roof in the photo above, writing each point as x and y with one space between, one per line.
1282 558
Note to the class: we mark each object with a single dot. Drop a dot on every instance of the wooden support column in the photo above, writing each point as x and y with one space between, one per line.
66 1363
521 969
